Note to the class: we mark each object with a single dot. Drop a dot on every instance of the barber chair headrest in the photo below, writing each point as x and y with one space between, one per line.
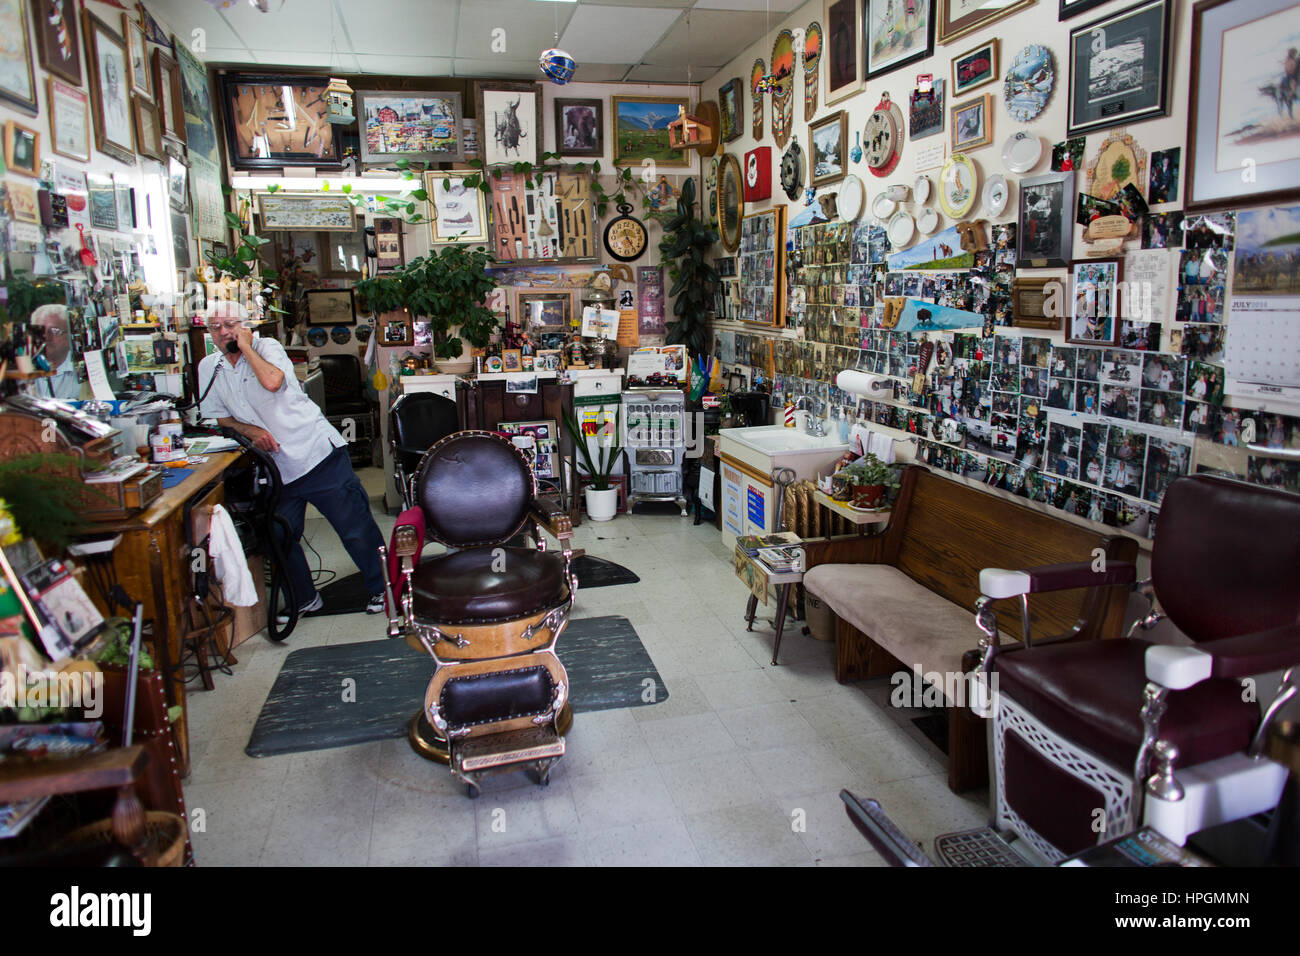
475 488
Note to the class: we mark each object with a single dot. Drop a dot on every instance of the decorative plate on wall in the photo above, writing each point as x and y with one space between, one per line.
958 185
1029 82
852 198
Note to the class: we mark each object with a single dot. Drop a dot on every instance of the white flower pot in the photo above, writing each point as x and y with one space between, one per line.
602 505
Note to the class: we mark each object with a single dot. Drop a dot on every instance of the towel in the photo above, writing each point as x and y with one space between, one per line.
882 446
227 554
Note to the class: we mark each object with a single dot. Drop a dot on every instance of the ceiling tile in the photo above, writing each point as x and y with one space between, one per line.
656 74
338 61
183 17
291 27
527 27
616 34
498 68
675 4
594 73
405 65
711 39
400 27
758 6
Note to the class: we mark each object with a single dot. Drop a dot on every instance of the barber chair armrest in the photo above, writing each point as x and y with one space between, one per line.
998 583
1179 667
415 518
550 514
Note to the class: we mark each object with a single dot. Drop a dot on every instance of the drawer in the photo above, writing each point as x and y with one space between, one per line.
597 385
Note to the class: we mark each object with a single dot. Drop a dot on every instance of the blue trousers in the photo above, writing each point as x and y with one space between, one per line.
334 488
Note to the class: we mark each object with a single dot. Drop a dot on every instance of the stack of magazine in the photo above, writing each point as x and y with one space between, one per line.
751 544
782 560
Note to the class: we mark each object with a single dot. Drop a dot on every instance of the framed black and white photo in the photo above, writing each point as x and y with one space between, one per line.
177 184
1119 68
110 91
331 307
580 127
510 122
1046 223
420 127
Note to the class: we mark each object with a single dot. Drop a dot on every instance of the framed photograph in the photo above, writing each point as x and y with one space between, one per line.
17 78
331 307
110 92
69 120
1072 8
180 239
457 213
640 127
103 201
580 127
395 329
972 124
389 252
1046 222
843 25
895 34
306 211
196 100
926 112
509 122
1032 305
1119 68
259 133
137 57
422 127
148 133
539 441
731 109
553 308
178 175
975 67
58 38
960 17
343 254
167 94
828 157
1094 302
22 149
1239 115
512 360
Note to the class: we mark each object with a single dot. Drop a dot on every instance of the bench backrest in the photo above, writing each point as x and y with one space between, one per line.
951 531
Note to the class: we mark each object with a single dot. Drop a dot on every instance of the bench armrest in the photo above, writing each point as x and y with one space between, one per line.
998 583
1179 667
547 511
854 549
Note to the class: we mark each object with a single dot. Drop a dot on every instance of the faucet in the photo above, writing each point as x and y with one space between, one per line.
812 424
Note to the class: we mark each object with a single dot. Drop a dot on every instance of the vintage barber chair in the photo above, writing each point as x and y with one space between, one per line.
1092 739
489 614
417 421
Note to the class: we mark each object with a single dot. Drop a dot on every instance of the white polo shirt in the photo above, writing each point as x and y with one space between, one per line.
306 437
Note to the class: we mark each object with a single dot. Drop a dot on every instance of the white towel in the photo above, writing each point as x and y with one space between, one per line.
227 555
882 446
860 440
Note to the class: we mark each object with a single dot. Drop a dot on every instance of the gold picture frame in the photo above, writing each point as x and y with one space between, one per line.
445 223
1030 297
962 138
632 147
22 149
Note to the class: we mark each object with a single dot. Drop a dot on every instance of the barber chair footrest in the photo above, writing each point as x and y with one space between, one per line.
980 847
475 757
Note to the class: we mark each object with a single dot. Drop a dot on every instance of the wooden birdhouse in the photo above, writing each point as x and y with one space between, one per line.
698 130
338 101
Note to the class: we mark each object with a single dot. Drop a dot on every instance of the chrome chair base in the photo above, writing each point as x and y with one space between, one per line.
426 741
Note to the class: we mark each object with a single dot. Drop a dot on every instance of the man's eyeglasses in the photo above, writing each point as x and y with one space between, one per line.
226 326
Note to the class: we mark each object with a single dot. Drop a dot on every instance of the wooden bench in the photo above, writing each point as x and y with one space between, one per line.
905 598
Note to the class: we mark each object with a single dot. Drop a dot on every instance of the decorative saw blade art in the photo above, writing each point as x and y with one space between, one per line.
756 89
812 64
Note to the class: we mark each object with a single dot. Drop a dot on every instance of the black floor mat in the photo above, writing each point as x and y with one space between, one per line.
935 727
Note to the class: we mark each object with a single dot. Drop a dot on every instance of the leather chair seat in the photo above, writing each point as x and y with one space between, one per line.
463 587
1091 693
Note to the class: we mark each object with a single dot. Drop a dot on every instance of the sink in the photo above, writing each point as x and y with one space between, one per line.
778 440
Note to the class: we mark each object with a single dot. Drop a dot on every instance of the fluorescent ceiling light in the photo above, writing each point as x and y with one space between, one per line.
358 184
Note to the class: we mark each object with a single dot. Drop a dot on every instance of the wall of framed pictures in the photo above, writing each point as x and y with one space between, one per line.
1135 266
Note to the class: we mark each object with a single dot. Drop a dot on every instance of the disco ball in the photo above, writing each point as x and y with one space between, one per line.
558 66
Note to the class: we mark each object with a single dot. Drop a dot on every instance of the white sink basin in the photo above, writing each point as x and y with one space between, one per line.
778 440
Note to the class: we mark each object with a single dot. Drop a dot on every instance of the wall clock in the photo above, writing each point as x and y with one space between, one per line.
1029 82
626 236
792 170
884 137
731 202
758 174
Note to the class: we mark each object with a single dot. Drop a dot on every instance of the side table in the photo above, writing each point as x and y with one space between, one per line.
757 576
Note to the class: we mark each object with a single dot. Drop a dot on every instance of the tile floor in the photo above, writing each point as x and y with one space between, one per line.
742 764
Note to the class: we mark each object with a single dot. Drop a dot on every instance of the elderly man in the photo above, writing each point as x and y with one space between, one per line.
53 319
249 385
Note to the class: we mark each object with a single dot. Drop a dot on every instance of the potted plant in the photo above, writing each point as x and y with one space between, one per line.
601 492
448 288
869 478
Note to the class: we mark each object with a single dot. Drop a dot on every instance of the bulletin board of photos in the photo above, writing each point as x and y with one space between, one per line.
1099 432
762 259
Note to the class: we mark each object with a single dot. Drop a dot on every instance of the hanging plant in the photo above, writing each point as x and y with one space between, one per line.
685 246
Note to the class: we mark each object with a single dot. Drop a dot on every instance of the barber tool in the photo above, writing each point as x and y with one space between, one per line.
783 478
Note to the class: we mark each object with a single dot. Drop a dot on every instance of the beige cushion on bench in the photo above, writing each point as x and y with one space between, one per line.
905 618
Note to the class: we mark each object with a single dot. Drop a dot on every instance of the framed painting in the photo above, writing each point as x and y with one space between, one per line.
640 126
389 252
420 127
58 38
167 89
580 127
895 34
1072 8
196 100
69 120
731 109
331 307
960 17
1046 224
137 57
829 139
509 122
22 149
1239 119
110 94
1119 69
282 212
148 134
1094 302
457 213
975 67
17 78
972 124
259 133
843 69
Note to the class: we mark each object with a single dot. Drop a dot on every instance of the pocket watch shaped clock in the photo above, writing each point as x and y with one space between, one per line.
883 137
626 236
792 170
758 174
